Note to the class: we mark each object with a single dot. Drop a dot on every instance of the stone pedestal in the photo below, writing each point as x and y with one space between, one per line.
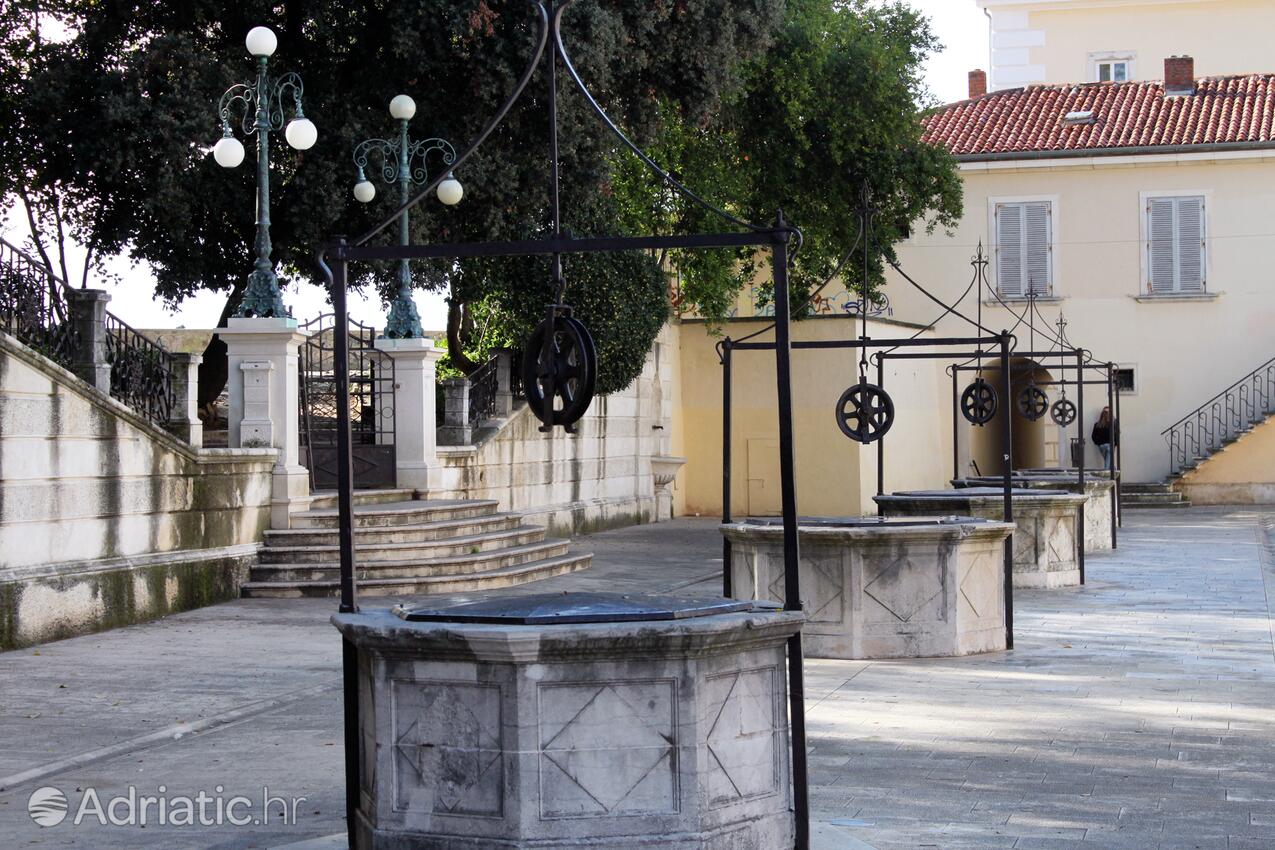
184 419
456 430
264 389
1100 491
893 589
1045 551
415 422
664 469
606 735
88 315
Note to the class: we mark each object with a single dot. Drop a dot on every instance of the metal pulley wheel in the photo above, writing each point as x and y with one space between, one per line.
1063 412
865 412
569 364
979 402
1032 402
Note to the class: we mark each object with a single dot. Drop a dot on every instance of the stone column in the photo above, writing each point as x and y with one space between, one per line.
88 316
456 430
183 420
504 382
264 363
415 416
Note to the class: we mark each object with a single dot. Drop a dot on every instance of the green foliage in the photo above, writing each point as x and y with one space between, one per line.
122 115
834 103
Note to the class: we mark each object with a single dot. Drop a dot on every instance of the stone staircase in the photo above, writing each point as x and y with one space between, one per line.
406 546
1153 495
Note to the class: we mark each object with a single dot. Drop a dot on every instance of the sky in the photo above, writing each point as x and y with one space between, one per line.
959 24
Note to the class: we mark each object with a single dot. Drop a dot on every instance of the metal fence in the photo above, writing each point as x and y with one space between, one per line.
33 307
141 371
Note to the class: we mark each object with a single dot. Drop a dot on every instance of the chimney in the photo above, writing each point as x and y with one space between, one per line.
978 83
1179 76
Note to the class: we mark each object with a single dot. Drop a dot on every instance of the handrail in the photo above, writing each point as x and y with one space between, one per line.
142 370
1267 365
1221 419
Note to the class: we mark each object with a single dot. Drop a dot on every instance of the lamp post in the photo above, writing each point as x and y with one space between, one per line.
262 103
405 162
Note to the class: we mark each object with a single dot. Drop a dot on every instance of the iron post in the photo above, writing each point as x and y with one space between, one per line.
728 589
792 550
1007 456
1080 472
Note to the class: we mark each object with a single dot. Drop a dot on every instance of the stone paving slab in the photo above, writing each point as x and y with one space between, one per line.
1136 712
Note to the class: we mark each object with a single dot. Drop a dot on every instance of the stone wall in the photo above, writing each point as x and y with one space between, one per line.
105 518
599 477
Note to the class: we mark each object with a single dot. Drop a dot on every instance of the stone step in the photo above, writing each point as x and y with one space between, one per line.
466 564
414 532
417 584
385 514
325 499
413 550
1154 500
1127 487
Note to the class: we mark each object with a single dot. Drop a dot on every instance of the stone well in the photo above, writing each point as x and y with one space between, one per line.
880 588
574 721
1045 539
1100 491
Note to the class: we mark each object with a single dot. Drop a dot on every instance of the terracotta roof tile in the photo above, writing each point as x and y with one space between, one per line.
1223 110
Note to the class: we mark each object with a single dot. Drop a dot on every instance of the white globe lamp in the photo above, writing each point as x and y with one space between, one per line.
261 42
450 191
301 133
228 152
402 107
364 191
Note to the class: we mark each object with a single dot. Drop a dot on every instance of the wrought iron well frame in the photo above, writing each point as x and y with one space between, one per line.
334 260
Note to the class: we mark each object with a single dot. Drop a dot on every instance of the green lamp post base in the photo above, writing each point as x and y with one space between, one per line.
404 321
262 299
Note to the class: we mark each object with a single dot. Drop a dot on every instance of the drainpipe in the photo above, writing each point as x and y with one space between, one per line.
991 64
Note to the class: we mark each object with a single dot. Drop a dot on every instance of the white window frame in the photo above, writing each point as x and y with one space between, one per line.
1137 380
1054 292
1144 217
1128 57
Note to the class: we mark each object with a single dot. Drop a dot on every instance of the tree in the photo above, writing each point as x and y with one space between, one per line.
834 103
128 104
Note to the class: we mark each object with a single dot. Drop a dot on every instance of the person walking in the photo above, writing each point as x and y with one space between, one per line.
1106 433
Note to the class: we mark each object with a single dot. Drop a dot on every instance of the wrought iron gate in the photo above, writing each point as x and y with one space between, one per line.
371 406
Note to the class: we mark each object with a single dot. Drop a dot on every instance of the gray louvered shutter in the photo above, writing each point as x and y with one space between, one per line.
1190 249
1161 264
1037 247
1009 250
1175 245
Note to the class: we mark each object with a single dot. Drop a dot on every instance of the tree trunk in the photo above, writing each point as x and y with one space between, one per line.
456 337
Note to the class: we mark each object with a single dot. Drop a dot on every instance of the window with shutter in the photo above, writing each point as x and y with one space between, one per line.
1175 245
1024 245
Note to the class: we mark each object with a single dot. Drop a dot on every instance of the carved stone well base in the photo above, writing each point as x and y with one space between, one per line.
518 734
1045 535
883 589
1100 490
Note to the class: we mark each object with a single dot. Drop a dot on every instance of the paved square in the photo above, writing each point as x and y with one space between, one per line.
1136 712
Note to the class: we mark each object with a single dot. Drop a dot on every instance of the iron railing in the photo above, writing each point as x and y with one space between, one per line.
1221 419
483 385
141 371
33 307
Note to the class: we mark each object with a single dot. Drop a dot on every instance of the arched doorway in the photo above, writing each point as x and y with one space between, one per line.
1036 444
